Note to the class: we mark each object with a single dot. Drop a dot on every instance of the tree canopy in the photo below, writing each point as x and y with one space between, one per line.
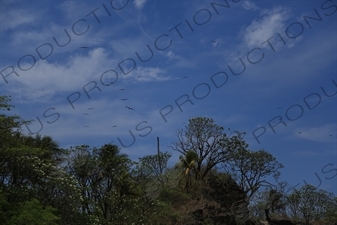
213 181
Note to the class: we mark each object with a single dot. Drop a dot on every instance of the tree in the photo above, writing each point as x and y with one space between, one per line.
251 168
312 204
154 166
330 216
30 175
275 200
9 125
32 212
208 141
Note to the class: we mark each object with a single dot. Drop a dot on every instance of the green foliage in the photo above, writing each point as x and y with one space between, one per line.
188 164
40 183
156 164
32 212
9 124
251 168
173 197
312 204
4 102
4 207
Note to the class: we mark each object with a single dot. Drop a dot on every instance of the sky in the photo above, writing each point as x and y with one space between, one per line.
267 68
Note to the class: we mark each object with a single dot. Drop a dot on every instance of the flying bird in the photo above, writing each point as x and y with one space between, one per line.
184 77
114 126
213 42
129 107
90 108
84 47
86 126
139 76
122 89
86 114
124 99
299 132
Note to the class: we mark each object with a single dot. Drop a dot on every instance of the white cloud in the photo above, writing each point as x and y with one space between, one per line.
172 56
261 29
179 61
11 19
149 74
248 5
321 133
46 79
139 3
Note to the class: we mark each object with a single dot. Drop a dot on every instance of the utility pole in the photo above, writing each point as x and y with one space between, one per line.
159 161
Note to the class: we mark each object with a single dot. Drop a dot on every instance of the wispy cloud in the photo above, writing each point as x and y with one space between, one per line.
149 74
139 3
178 60
248 5
47 78
11 19
324 133
260 30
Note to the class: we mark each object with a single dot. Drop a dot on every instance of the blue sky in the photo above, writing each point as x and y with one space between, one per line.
267 68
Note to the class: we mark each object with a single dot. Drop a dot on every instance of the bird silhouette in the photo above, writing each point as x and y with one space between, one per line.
122 89
114 126
86 114
86 126
84 47
129 108
213 42
184 77
299 132
124 99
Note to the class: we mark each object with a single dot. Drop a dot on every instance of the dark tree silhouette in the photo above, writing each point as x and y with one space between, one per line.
277 222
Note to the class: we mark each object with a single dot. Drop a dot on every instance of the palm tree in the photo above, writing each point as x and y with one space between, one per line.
188 163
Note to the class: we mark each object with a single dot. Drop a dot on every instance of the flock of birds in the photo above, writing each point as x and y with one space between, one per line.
121 89
123 99
130 108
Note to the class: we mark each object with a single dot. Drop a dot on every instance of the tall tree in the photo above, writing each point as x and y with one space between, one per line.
252 168
209 141
30 178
